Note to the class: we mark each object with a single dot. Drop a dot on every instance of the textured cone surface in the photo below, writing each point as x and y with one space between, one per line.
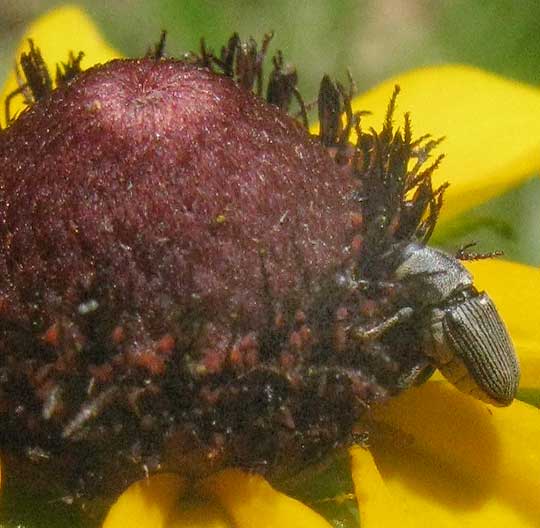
157 181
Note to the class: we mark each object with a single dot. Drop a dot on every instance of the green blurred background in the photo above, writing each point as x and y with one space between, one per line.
374 38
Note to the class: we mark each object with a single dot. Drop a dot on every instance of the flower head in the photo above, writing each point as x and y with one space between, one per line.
138 112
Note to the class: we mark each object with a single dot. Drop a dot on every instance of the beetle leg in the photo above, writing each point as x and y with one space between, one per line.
369 334
416 375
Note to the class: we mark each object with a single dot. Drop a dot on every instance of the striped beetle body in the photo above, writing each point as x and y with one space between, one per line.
464 334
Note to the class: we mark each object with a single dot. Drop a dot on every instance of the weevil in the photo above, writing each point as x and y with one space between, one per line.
464 336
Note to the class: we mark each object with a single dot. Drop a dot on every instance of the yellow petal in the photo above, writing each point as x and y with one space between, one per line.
147 504
515 289
57 33
377 506
491 125
251 502
454 461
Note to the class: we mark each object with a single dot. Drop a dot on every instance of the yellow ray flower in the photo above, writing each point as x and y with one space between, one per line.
450 461
437 457
490 124
147 503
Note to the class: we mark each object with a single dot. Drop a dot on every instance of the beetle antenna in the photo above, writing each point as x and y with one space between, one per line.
463 254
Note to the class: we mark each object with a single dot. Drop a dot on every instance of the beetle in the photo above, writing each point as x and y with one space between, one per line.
464 335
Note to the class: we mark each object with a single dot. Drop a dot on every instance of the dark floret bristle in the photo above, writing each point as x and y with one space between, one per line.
184 266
